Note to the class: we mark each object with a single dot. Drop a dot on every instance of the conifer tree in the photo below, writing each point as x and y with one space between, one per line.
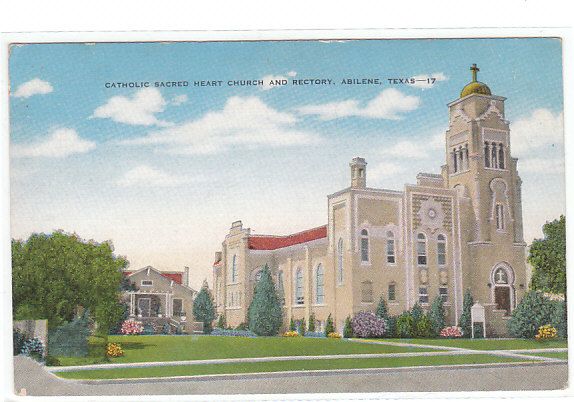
348 330
437 315
203 309
265 313
382 311
292 326
312 322
329 325
465 322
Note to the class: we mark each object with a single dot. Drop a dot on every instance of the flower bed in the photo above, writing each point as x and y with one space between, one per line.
291 334
233 332
334 335
131 327
546 332
114 350
451 332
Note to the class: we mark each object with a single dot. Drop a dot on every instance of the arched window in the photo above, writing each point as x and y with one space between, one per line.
501 156
234 269
299 297
364 245
455 160
319 285
486 155
499 217
390 247
501 276
392 291
421 249
340 261
441 249
367 292
494 156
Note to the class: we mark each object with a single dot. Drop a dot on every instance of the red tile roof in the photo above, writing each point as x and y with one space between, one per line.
267 242
177 277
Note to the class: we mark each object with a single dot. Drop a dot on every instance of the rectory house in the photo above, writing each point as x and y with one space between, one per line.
450 232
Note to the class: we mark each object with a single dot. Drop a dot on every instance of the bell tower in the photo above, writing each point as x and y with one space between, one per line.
479 162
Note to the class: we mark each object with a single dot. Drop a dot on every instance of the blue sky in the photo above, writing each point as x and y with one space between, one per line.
164 172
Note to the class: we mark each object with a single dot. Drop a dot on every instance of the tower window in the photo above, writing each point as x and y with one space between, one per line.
392 292
340 261
421 249
441 249
367 292
454 161
364 245
390 248
499 216
486 155
501 156
299 297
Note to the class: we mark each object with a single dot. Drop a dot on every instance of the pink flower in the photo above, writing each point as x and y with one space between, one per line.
131 327
451 332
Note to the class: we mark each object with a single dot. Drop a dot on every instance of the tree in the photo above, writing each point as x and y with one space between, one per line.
548 257
203 309
329 325
312 322
417 313
221 322
292 326
265 313
382 311
437 315
302 327
55 275
465 322
348 330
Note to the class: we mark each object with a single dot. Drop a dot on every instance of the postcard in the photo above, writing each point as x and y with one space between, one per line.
222 217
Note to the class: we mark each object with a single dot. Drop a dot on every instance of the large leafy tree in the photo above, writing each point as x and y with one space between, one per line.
56 275
265 313
548 257
203 309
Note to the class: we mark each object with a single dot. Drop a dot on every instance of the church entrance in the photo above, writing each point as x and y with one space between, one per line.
502 298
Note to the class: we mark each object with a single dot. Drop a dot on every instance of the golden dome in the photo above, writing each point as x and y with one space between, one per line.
475 87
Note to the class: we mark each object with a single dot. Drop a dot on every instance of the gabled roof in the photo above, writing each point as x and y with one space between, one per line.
177 277
269 242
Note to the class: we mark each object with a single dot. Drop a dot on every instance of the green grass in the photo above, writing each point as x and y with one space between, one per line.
173 348
297 365
556 355
486 344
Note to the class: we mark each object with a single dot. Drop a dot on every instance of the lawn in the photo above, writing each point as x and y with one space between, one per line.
486 344
148 348
296 365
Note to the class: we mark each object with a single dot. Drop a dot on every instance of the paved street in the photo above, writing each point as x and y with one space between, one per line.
524 377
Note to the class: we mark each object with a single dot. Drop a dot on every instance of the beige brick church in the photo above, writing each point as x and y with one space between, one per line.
458 230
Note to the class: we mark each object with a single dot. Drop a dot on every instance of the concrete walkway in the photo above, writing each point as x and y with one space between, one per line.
31 376
515 353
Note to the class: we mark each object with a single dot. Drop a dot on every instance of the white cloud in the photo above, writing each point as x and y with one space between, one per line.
389 104
416 149
540 130
179 99
140 109
243 122
424 81
61 143
385 169
268 78
147 176
538 142
35 86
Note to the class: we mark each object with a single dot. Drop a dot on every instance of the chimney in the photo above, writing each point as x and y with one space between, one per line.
186 276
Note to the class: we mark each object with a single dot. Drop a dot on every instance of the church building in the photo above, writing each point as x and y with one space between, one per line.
448 233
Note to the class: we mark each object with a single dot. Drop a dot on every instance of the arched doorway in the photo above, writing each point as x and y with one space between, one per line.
502 279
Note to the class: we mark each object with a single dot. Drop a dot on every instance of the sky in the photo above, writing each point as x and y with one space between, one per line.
163 171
